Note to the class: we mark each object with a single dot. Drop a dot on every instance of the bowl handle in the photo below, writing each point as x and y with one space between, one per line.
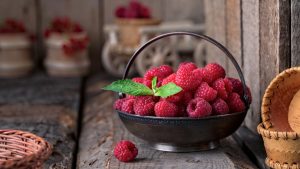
198 36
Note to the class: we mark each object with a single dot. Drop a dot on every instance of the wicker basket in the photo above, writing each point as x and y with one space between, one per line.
22 150
15 55
58 64
129 30
282 144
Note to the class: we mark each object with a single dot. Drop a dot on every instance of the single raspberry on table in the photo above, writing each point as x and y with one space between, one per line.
220 86
125 151
144 105
118 104
215 70
186 79
138 80
127 106
206 92
203 73
220 107
169 79
235 103
165 109
198 107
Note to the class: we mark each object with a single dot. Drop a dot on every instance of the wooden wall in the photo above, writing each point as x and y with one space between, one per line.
262 35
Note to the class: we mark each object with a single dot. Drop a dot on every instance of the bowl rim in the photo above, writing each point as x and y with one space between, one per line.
181 118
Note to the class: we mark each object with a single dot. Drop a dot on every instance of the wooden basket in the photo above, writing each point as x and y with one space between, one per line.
22 150
282 144
58 64
129 30
15 55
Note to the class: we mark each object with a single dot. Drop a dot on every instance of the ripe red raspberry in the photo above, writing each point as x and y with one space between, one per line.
127 106
165 109
130 96
144 106
206 92
215 70
120 12
148 83
198 107
220 87
138 80
228 85
220 107
160 72
235 103
238 88
118 104
187 97
188 65
175 98
185 79
204 75
169 79
125 151
144 12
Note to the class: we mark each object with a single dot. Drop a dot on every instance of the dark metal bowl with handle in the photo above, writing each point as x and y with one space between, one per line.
184 134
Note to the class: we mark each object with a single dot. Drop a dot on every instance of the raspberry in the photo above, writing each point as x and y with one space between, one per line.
127 106
165 109
238 88
138 80
187 97
125 151
175 98
148 83
198 107
130 96
160 72
206 92
144 106
220 107
228 85
204 75
235 103
185 79
220 87
144 12
120 12
169 79
118 104
188 65
215 70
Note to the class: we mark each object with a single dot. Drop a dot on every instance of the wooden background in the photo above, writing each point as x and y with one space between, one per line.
263 35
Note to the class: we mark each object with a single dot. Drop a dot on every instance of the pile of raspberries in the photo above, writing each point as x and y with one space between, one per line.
12 26
206 91
134 9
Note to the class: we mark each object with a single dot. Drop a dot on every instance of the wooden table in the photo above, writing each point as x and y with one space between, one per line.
62 110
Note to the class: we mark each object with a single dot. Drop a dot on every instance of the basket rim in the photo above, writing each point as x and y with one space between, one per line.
269 94
42 154
266 132
277 165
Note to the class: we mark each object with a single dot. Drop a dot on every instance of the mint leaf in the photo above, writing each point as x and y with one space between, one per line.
167 90
154 83
129 87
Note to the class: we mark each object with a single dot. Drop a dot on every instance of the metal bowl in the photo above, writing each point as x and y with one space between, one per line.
182 134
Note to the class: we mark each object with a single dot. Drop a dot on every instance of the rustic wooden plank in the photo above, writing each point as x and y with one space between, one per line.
174 10
274 32
47 107
234 34
102 128
250 24
110 6
87 13
295 32
215 14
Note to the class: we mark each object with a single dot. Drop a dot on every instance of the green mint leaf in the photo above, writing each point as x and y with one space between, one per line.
167 90
129 87
154 83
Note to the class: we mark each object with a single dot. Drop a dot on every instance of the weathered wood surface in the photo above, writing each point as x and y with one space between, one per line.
250 47
295 33
215 22
47 107
274 39
101 129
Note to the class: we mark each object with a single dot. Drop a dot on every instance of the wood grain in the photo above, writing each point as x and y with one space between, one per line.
234 34
87 13
102 129
295 33
274 39
250 47
215 13
47 107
